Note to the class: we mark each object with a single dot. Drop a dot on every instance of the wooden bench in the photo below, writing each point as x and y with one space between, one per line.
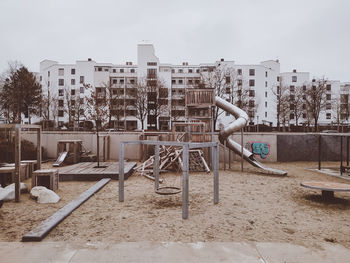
46 177
327 188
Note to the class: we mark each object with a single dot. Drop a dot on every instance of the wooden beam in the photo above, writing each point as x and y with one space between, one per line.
17 162
41 231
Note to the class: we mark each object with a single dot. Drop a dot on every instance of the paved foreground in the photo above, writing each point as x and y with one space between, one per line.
170 252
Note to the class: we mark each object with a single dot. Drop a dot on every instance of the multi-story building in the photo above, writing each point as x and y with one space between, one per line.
71 82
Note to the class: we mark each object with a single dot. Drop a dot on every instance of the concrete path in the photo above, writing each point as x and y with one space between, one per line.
160 252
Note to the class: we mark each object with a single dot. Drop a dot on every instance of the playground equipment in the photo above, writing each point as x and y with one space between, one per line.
68 148
240 122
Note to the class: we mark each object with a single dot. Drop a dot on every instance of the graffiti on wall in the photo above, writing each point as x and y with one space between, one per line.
260 148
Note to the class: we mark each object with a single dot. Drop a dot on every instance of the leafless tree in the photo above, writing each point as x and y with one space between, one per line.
282 97
97 105
296 102
316 99
141 101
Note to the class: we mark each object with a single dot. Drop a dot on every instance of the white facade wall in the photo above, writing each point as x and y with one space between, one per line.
176 78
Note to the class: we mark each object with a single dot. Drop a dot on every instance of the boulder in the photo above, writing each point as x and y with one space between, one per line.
44 195
8 193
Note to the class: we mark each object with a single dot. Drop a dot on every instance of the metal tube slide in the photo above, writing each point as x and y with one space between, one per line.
240 122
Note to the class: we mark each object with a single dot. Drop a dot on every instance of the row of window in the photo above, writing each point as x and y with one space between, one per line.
72 81
72 91
114 70
122 81
182 82
61 72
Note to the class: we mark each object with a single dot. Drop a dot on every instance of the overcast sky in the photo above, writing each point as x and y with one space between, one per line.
306 35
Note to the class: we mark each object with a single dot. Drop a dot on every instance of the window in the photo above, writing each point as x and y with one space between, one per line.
190 82
41 78
251 83
60 92
265 114
60 82
121 70
173 71
115 81
180 81
106 69
121 81
99 68
304 106
228 79
72 102
265 94
251 93
328 116
304 115
60 113
151 63
292 106
114 70
329 87
304 88
197 81
265 84
151 73
132 70
81 112
292 97
239 71
81 79
291 88
197 70
251 72
173 81
328 106
72 81
60 103
239 82
60 71
265 74
180 70
72 71
72 112
291 116
48 83
251 103
72 92
265 104
190 70
81 89
294 78
228 90
278 78
48 73
328 96
132 81
313 88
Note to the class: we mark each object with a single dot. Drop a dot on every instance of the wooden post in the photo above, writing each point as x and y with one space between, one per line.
319 152
156 167
38 149
242 149
216 174
104 148
17 161
341 155
108 147
121 172
185 181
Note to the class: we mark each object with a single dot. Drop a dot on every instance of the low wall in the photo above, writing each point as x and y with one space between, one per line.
266 147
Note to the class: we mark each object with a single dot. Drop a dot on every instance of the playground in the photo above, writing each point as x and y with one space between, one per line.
252 207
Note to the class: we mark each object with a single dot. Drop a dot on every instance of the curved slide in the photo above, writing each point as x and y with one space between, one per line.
240 122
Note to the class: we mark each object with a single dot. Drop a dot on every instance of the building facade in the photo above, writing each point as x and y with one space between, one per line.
72 84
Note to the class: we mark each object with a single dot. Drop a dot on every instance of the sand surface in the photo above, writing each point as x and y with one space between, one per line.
252 207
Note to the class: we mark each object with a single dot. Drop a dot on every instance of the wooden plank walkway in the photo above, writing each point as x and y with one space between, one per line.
86 171
41 231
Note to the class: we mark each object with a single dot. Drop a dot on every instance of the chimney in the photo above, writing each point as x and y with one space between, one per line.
89 59
294 71
222 59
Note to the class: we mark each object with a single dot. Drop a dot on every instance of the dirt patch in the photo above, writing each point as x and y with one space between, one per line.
252 207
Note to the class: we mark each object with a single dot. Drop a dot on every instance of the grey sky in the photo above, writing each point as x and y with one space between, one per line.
310 35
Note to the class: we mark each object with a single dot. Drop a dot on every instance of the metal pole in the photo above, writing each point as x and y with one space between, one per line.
341 155
242 149
225 155
121 172
229 158
216 174
319 152
185 182
156 167
347 151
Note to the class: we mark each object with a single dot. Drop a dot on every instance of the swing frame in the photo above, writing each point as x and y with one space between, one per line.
214 146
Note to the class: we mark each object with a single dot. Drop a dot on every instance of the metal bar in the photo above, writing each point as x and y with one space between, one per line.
17 162
319 151
121 172
216 174
38 149
185 182
341 155
156 167
225 155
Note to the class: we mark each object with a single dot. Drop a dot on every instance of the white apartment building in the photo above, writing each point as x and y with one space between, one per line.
260 79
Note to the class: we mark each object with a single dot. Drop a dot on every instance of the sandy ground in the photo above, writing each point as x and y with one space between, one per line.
252 207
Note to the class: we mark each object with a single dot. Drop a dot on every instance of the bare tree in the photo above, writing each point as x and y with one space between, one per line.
297 102
281 94
69 104
96 105
141 101
316 99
